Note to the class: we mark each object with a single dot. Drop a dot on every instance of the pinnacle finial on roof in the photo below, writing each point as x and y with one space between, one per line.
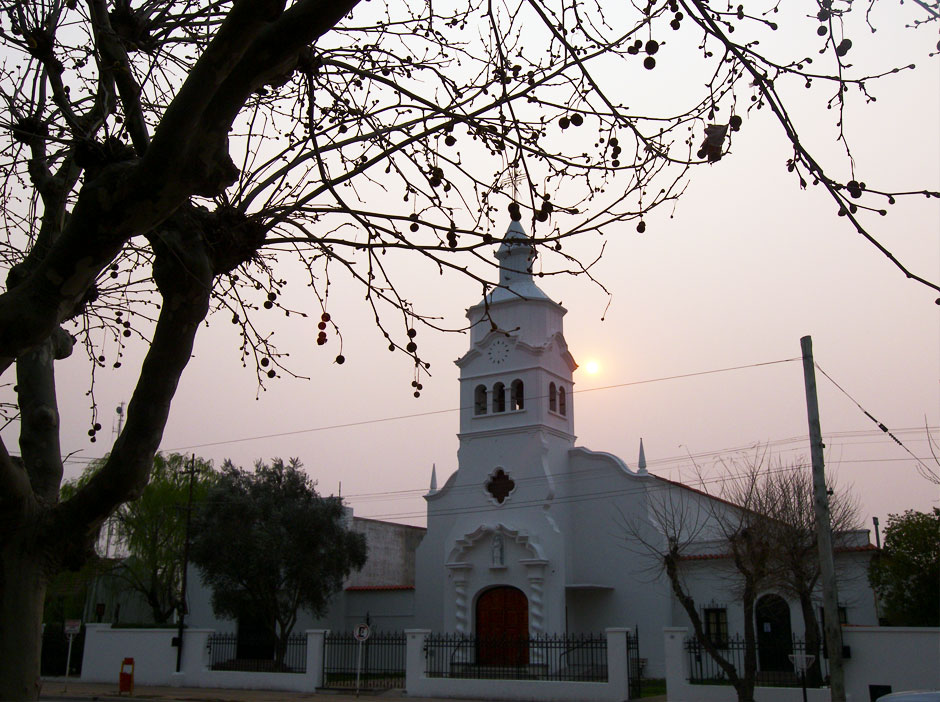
516 255
433 478
641 461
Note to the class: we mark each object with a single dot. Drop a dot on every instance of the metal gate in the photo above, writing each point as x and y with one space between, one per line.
380 667
635 664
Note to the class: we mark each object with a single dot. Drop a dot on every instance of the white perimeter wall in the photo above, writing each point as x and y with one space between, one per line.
906 658
155 660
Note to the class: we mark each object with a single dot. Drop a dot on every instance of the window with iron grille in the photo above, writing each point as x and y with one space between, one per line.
716 626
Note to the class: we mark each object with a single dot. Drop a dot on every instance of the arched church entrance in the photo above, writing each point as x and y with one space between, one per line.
502 627
774 636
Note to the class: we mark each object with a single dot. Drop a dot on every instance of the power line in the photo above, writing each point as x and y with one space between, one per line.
415 415
925 471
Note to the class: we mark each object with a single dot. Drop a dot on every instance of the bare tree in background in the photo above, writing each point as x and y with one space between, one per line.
161 159
686 523
789 502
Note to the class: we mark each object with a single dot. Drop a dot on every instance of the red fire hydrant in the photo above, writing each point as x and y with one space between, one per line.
126 677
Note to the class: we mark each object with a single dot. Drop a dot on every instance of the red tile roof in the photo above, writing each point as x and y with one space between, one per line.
364 588
713 556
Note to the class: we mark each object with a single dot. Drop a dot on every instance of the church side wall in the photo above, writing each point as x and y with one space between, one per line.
430 575
612 580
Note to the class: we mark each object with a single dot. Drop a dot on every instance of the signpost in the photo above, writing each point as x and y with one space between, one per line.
361 633
802 662
72 627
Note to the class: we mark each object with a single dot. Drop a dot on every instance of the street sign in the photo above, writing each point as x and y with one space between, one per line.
73 626
361 633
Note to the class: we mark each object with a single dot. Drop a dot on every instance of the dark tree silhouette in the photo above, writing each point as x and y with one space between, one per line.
160 159
906 572
268 544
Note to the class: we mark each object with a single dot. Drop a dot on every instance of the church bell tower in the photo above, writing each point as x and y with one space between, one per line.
516 375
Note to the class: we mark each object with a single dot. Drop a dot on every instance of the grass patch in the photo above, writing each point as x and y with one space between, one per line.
653 687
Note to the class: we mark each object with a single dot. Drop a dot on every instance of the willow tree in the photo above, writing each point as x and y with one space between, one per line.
162 158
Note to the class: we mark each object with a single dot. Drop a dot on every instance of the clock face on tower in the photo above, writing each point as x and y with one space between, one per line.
498 351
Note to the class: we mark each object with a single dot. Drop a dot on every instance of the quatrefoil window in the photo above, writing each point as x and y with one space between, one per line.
500 485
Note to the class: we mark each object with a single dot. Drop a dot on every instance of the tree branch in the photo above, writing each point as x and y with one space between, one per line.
183 272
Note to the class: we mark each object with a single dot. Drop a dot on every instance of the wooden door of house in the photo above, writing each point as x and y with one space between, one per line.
502 627
774 635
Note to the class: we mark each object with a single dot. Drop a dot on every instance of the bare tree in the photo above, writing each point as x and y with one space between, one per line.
788 500
160 158
682 523
760 519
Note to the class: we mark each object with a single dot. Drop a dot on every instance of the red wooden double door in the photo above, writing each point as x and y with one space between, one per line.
502 627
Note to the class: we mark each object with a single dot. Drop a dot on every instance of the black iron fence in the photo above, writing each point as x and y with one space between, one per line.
543 657
379 660
231 652
777 665
55 649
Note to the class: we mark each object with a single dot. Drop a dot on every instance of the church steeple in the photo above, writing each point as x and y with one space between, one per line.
516 255
516 374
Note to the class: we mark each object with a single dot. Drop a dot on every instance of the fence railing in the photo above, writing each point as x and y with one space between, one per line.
774 665
580 658
382 663
635 665
229 652
55 647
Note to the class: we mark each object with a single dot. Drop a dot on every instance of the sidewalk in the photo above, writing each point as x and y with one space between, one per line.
57 688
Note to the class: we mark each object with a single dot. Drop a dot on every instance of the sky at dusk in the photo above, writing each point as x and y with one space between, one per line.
744 265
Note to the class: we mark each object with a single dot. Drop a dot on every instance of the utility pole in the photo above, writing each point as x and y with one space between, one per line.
182 606
831 626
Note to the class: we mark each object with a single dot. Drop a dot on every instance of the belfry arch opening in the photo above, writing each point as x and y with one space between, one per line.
479 399
517 395
499 397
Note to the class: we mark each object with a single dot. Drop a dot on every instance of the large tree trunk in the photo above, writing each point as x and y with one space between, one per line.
39 534
22 589
746 688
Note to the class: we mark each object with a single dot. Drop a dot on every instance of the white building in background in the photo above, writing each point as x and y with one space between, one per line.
535 535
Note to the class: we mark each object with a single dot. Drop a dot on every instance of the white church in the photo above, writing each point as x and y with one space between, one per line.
533 534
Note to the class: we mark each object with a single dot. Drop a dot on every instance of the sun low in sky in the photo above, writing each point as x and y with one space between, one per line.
592 367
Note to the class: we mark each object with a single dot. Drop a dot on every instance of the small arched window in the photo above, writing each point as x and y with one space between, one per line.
479 400
562 402
552 397
516 395
499 397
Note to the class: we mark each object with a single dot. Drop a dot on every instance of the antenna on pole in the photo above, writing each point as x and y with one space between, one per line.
513 179
116 431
